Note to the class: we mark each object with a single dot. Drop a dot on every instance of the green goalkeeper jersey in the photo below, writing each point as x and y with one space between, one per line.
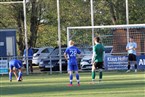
99 52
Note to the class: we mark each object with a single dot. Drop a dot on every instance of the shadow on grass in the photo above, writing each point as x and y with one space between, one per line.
46 85
58 88
47 81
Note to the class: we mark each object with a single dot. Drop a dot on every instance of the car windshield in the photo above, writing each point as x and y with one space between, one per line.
56 52
35 50
51 49
85 51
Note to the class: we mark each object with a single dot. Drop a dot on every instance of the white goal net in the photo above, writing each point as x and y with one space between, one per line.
115 36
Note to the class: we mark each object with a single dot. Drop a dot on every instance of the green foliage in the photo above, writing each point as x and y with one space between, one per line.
137 14
42 31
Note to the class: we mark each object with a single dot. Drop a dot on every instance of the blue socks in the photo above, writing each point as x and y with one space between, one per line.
10 75
78 78
19 75
71 78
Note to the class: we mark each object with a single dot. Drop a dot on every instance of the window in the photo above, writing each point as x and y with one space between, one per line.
45 51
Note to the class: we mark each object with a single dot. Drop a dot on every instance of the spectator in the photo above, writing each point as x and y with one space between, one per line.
30 56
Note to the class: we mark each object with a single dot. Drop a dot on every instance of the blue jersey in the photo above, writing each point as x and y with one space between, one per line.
131 45
72 53
30 53
15 63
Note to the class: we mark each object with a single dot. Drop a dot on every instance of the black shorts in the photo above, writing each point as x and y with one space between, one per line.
98 65
131 57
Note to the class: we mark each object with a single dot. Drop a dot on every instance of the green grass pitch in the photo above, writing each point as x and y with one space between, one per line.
114 84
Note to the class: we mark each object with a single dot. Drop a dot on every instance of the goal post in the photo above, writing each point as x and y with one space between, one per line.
23 2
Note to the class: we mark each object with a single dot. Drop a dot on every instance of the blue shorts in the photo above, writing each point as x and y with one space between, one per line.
72 68
15 64
11 67
72 65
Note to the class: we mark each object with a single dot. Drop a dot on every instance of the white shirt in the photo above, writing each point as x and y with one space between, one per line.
131 46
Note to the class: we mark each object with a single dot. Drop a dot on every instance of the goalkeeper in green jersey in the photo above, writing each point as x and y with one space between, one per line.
97 59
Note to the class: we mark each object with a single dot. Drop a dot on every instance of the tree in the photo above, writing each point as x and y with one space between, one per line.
42 18
19 17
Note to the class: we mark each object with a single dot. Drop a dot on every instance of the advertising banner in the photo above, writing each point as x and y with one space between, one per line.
3 67
141 62
121 62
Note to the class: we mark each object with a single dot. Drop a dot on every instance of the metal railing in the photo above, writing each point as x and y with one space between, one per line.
52 61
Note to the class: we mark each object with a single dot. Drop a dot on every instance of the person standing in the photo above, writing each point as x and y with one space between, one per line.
70 54
30 56
131 48
97 59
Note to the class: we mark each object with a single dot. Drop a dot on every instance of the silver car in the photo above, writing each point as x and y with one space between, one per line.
85 63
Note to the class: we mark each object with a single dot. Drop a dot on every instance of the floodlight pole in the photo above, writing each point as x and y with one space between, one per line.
68 36
59 37
127 21
92 20
26 40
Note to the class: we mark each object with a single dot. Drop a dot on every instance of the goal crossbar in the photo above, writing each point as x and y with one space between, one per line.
127 26
108 26
11 2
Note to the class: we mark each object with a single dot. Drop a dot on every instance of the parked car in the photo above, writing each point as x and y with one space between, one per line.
40 53
52 61
85 63
84 52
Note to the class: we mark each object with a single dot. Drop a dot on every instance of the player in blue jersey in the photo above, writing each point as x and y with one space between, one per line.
15 65
70 55
131 48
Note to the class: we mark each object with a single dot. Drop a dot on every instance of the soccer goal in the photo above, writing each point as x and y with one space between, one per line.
115 36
